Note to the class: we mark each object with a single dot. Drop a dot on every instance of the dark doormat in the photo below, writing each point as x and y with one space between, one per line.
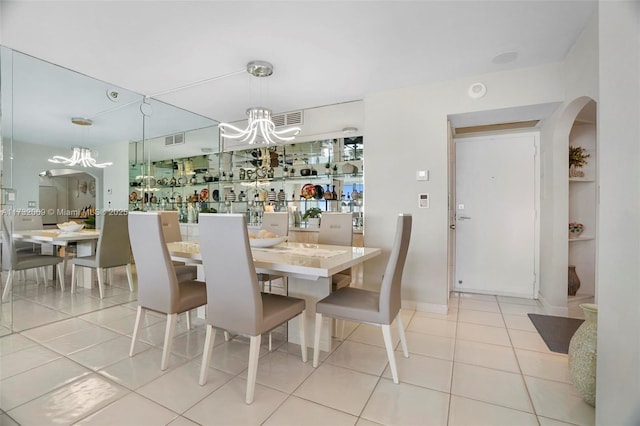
556 331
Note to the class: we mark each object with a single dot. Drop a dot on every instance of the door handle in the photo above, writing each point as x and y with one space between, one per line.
464 218
452 226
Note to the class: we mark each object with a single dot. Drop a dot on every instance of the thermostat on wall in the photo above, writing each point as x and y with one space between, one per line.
423 201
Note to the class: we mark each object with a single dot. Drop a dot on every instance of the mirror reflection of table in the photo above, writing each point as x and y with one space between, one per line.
309 268
85 241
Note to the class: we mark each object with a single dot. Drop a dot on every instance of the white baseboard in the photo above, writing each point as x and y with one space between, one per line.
552 309
425 307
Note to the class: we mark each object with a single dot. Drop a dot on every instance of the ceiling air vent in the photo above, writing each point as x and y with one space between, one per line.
177 139
287 119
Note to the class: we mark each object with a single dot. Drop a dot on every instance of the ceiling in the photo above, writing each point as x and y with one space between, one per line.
323 52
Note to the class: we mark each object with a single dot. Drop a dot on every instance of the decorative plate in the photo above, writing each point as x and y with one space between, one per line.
308 191
204 194
266 242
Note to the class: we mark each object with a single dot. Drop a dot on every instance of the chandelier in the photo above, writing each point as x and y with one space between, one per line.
260 126
81 156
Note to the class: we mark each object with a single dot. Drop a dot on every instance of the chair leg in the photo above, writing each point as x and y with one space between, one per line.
403 339
100 273
35 271
129 276
254 355
168 340
44 276
61 275
7 286
74 278
270 343
386 333
303 335
139 320
206 354
316 339
188 315
227 336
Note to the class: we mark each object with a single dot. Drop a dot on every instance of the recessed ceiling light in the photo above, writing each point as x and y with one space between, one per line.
349 130
505 58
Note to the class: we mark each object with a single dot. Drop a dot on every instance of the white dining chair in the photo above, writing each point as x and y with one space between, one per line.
277 223
171 232
337 229
379 308
159 289
113 250
11 262
235 302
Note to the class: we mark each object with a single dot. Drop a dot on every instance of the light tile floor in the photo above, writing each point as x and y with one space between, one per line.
481 364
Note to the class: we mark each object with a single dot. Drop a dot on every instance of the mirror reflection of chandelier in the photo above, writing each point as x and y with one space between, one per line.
80 156
260 126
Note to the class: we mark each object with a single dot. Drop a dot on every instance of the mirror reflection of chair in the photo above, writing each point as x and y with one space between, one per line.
235 302
11 262
159 289
24 223
370 307
278 223
113 250
171 232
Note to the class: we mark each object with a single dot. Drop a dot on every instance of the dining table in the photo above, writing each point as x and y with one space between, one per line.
308 267
85 241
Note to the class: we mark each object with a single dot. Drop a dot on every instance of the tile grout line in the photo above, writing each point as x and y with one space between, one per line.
515 355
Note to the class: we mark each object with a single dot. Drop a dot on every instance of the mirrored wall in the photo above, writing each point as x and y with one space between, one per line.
40 103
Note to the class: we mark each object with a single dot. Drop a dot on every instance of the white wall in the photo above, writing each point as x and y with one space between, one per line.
406 131
580 81
618 268
22 173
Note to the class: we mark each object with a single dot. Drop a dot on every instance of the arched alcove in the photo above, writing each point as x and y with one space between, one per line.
576 126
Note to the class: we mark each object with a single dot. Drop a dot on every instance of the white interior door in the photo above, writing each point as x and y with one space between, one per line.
496 221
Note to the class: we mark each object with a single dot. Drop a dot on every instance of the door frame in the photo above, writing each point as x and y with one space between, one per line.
453 173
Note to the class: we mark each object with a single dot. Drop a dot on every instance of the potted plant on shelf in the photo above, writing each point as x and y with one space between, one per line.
312 216
577 159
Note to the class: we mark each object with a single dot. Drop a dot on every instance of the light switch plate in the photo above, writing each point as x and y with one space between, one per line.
422 175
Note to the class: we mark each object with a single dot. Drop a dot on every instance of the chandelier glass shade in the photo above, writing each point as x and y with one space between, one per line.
81 157
260 128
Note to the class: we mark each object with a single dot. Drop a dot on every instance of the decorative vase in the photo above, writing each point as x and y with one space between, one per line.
575 171
583 354
573 281
314 222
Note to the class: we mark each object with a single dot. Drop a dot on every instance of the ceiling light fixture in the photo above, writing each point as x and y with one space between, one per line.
260 126
81 156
